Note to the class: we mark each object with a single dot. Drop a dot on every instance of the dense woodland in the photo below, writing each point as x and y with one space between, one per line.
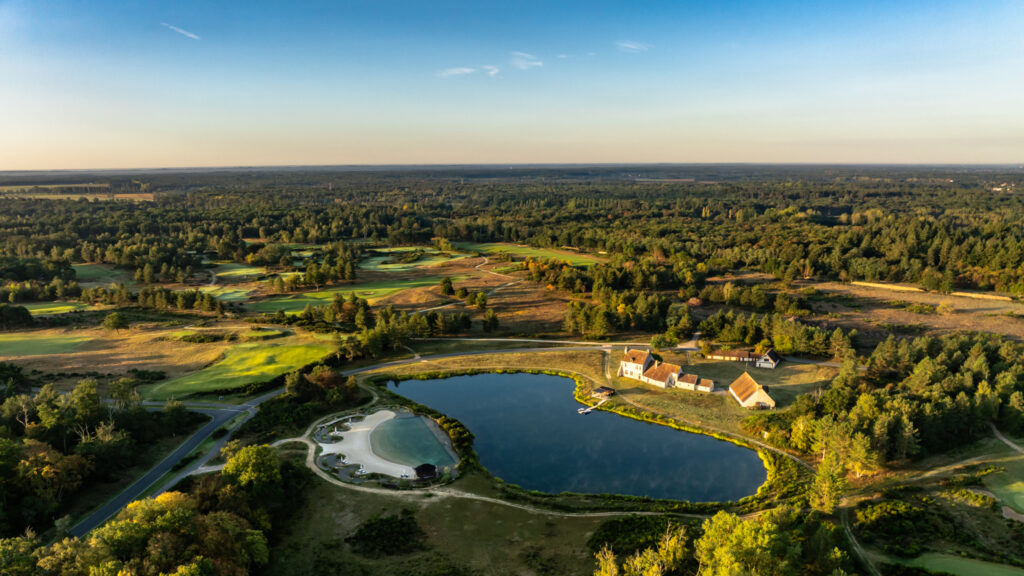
943 229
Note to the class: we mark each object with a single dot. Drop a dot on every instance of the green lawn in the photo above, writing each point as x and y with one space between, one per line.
523 251
227 294
91 275
784 383
295 303
50 308
235 271
34 344
1009 484
431 256
242 364
962 566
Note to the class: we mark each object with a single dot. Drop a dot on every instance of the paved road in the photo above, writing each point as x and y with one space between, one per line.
108 510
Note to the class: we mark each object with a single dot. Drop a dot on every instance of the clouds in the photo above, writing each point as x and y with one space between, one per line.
181 31
632 46
490 71
524 61
450 72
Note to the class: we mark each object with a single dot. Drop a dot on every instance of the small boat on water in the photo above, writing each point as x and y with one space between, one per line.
583 411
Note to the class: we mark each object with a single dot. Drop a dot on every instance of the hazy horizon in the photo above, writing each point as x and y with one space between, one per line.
194 85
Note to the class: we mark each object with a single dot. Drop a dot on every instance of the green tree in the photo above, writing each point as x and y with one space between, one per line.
115 321
255 467
829 483
446 286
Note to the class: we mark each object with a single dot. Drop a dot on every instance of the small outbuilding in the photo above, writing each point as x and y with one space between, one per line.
750 394
770 359
426 472
602 392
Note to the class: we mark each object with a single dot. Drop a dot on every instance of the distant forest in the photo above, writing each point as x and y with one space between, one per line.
943 228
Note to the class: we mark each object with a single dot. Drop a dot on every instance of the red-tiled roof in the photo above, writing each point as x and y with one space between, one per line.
661 372
636 356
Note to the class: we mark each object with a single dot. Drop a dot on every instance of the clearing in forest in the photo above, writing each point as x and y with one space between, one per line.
494 248
244 364
295 303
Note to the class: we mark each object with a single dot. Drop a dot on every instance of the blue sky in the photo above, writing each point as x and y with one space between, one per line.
148 84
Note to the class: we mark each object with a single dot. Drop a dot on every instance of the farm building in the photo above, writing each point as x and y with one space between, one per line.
662 374
734 355
750 394
696 383
770 359
641 365
634 363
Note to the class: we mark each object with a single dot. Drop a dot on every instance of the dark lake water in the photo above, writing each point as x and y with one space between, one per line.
528 433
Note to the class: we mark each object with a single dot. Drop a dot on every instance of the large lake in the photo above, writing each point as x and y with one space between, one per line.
528 433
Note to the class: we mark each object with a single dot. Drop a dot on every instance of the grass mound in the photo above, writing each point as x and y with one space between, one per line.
242 365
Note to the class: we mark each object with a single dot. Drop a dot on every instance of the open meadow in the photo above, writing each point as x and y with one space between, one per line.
95 275
403 258
520 252
243 364
372 291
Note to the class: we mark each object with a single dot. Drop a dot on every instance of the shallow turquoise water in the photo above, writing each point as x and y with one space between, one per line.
409 441
527 432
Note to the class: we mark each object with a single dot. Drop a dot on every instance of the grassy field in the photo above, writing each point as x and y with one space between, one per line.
52 308
947 563
784 383
38 343
244 364
1008 485
227 293
232 271
463 537
372 291
431 257
524 251
92 275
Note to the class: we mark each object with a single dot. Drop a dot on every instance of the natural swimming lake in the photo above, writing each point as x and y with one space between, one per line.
527 432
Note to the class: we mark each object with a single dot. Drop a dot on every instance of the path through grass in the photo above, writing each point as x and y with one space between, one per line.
947 563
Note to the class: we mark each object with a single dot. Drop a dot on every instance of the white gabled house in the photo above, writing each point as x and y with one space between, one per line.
770 359
641 365
634 363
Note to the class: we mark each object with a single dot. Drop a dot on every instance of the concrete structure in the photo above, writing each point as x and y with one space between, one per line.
750 394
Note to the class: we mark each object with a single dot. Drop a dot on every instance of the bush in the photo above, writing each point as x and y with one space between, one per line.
388 536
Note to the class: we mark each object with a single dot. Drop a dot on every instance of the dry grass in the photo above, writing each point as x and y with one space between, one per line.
872 311
142 348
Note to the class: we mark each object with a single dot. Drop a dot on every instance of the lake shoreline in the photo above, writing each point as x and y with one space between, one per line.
580 393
